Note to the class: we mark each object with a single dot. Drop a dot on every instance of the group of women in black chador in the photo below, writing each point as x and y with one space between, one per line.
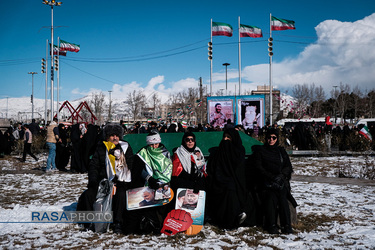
240 191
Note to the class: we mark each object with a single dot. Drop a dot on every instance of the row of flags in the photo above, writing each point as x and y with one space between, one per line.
64 47
225 29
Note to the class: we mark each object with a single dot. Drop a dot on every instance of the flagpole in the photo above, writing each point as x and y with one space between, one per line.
52 71
58 79
46 93
270 73
211 65
239 56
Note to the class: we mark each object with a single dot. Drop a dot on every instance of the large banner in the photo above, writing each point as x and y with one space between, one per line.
220 110
250 111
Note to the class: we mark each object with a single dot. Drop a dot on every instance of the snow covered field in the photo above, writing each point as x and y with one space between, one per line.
329 216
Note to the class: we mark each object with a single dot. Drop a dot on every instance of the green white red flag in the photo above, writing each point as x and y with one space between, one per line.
221 29
64 45
281 24
57 52
250 31
366 133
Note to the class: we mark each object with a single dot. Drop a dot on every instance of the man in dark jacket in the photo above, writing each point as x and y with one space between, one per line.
112 160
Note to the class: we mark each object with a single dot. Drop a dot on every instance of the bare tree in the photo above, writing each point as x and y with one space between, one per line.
317 99
156 103
134 102
96 104
356 100
302 95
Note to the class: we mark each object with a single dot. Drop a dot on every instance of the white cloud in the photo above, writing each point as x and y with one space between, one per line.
343 53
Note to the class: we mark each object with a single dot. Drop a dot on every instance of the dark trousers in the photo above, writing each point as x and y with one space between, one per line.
275 203
27 150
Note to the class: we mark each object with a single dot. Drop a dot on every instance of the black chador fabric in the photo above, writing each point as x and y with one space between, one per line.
62 149
88 145
76 164
227 197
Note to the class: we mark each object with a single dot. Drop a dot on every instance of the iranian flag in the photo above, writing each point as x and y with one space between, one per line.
56 51
221 29
64 45
250 31
364 131
281 24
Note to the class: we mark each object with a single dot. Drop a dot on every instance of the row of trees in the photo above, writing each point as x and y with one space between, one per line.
136 104
310 101
344 102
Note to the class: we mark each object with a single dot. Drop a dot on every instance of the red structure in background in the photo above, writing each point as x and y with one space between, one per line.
75 113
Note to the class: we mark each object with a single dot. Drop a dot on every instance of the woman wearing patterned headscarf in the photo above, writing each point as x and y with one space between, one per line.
154 167
189 166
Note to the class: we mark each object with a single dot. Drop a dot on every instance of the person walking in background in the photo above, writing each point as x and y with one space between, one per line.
28 139
34 127
52 139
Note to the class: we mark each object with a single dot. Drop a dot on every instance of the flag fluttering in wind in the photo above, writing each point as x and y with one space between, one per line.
64 45
221 29
250 31
366 133
57 52
281 24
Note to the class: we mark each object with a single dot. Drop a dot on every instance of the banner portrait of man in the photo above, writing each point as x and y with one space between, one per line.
220 112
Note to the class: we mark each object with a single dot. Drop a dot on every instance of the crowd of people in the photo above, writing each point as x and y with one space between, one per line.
233 198
241 190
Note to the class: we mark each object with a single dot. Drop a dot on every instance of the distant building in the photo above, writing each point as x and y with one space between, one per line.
265 90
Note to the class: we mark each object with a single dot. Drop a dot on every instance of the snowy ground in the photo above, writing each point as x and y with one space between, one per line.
329 216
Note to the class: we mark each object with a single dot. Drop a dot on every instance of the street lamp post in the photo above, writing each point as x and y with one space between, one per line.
52 3
32 93
226 77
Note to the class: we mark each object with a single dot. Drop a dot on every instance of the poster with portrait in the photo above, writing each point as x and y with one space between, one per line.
220 110
250 111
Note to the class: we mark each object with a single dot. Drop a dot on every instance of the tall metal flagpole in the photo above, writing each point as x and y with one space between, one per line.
58 79
51 3
52 72
46 75
270 72
239 56
211 65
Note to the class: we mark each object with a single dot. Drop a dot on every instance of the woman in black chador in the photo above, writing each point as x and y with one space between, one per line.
273 172
228 202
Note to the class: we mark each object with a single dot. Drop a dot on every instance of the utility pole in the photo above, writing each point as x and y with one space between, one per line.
200 98
110 108
32 93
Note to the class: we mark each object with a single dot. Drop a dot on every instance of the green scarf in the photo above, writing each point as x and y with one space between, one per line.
158 165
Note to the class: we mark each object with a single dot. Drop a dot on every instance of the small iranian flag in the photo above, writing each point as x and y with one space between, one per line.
64 45
221 29
364 131
281 24
250 31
